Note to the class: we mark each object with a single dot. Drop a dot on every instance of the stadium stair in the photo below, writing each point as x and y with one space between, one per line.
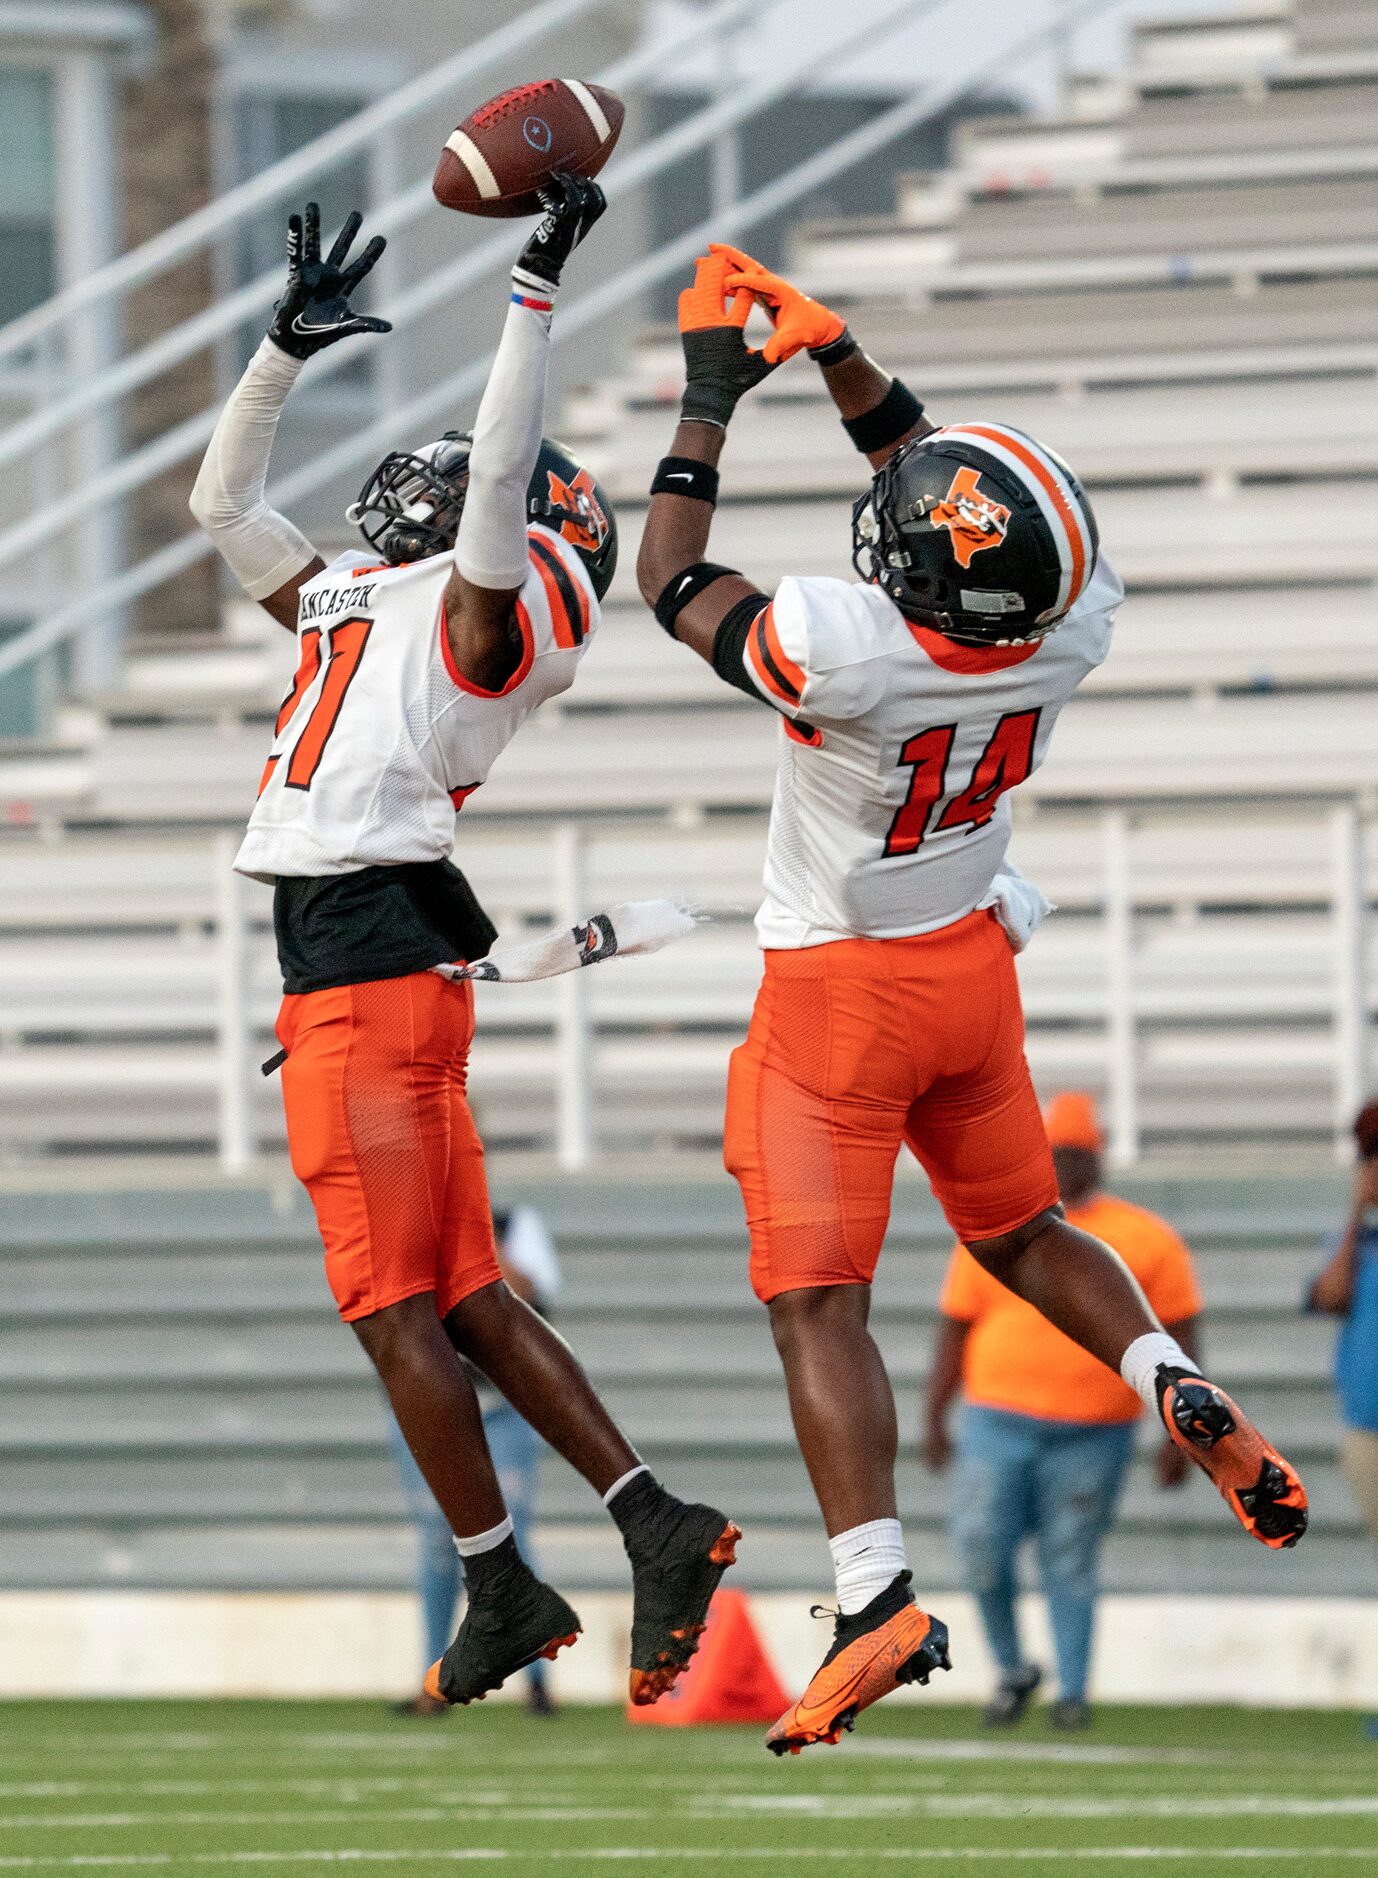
179 1407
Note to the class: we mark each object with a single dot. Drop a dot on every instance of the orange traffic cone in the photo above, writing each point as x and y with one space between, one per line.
731 1679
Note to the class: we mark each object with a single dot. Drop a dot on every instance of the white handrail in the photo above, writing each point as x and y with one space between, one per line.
170 348
443 285
843 155
164 250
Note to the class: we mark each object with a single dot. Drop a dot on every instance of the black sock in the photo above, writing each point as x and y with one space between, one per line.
641 1499
484 1572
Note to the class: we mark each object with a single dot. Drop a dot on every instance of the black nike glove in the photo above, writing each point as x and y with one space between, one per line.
720 367
314 311
572 205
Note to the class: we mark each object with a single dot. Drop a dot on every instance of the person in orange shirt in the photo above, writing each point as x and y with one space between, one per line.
1047 1432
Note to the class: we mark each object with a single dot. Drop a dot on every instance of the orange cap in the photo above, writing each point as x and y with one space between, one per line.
1072 1122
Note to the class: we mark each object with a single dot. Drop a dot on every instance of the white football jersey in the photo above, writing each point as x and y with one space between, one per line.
891 814
380 741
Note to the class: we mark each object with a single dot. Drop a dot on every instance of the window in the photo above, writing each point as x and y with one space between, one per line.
270 124
27 157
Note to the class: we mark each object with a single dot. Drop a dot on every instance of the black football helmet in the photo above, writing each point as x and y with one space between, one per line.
410 506
979 532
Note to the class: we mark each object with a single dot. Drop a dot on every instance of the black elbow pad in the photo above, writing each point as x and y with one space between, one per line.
729 648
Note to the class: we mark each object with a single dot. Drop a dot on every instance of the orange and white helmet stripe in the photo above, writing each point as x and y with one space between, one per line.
1048 483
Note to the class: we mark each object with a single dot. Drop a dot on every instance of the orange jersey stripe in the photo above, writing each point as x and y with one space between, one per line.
759 666
583 600
1047 483
559 614
796 676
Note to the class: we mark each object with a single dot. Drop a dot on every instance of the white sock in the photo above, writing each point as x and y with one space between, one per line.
865 1560
619 1484
489 1541
1139 1364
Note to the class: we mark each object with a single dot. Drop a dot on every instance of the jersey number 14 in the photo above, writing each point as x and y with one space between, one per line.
1005 762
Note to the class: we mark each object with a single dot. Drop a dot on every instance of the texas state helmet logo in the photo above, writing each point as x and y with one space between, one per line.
971 519
583 522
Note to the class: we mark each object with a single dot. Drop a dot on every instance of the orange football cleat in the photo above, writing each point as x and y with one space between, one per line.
1261 1489
888 1643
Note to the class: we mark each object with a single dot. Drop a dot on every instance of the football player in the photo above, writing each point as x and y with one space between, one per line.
420 658
889 1012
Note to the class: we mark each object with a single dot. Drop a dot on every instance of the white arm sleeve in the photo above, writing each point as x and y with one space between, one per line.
261 548
491 548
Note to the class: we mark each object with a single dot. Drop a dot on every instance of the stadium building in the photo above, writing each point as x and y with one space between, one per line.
1172 276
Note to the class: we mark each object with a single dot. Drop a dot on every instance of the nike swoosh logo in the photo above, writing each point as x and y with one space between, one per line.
896 1643
688 581
299 325
680 476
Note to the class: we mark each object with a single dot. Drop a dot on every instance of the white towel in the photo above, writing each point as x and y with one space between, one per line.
1020 907
626 931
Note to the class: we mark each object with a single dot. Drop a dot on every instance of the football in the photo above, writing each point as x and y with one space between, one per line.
500 155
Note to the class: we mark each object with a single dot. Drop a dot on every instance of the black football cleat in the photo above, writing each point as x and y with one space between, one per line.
678 1556
1261 1489
501 1634
874 1651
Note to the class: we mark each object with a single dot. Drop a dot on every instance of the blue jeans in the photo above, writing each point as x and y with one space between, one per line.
516 1451
1057 1482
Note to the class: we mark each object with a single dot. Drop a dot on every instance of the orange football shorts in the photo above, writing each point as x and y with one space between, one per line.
859 1045
382 1138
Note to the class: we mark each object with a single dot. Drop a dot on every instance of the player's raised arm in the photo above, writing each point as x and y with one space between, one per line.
267 554
707 606
491 550
879 413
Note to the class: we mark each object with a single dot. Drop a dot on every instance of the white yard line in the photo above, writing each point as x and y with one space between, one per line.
1045 1806
354 1816
915 1748
708 1749
510 1760
342 1788
879 1806
631 1854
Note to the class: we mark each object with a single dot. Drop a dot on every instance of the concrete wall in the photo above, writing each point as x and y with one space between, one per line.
1284 1652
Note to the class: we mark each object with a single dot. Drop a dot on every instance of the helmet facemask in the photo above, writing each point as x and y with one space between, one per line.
409 508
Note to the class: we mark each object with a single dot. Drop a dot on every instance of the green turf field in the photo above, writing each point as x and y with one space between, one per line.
291 1787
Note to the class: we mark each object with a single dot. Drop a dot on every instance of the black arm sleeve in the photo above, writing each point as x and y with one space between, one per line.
729 648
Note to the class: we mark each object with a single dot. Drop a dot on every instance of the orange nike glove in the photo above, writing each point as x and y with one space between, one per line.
720 367
800 323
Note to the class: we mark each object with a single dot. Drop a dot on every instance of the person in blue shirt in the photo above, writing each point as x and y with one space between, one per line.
1347 1288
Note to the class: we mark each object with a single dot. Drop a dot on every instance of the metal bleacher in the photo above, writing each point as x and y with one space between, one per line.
1184 328
1176 284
